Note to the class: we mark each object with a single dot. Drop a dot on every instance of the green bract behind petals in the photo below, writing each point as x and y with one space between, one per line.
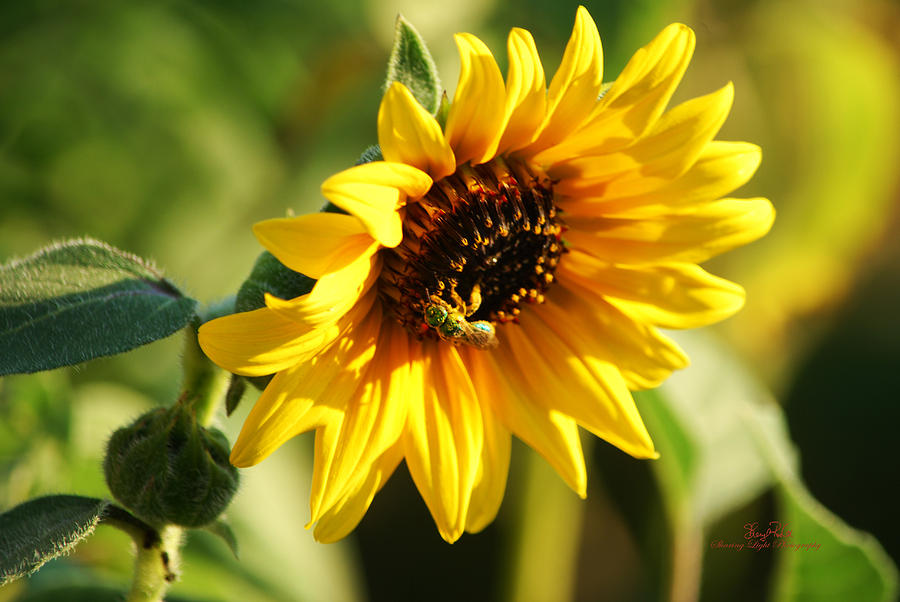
411 65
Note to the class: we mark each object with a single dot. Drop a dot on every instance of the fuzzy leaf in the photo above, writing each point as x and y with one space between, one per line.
42 529
411 65
79 300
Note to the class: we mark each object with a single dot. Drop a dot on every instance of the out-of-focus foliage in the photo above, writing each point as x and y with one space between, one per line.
166 129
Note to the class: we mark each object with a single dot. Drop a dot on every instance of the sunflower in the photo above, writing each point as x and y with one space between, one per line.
504 274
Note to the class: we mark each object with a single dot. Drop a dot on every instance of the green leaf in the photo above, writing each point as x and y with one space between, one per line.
411 64
724 441
221 528
847 565
79 300
42 529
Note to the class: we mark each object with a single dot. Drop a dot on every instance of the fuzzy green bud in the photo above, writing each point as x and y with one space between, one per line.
167 469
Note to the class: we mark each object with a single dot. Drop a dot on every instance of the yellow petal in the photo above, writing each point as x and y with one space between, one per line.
373 192
673 295
675 143
526 92
332 296
444 437
255 343
305 395
708 230
549 432
649 79
589 390
490 481
634 101
477 116
644 356
409 134
721 168
315 244
370 423
342 517
576 85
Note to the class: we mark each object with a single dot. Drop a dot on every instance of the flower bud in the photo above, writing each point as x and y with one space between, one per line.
167 469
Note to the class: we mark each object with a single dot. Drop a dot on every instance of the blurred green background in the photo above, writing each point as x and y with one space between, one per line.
167 128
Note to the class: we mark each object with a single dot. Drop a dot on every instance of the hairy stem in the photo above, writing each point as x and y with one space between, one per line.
156 566
205 384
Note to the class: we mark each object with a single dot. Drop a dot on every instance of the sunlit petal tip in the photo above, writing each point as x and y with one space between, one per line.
243 458
767 209
575 87
746 157
579 487
678 29
249 450
642 450
728 94
373 192
407 133
477 115
526 92
582 15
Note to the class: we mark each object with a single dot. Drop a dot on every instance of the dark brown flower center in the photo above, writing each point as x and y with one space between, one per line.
492 228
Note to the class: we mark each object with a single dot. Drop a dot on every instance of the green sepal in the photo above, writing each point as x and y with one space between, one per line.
81 299
604 88
443 110
222 529
41 529
373 153
167 469
236 387
411 64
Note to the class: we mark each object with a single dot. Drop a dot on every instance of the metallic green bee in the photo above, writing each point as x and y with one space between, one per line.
451 324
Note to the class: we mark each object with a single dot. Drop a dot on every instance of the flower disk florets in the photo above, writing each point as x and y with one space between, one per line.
486 237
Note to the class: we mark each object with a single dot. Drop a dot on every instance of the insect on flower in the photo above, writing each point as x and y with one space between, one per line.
451 324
